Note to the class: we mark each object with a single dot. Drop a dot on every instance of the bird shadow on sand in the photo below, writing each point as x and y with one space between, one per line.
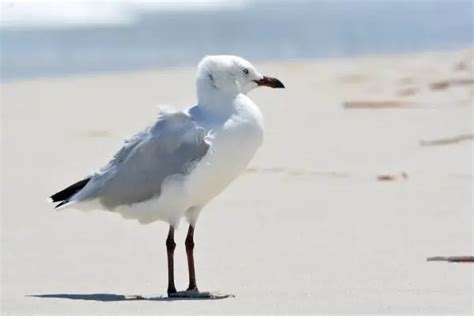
106 297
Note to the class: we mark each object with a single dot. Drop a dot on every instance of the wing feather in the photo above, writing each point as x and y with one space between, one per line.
172 145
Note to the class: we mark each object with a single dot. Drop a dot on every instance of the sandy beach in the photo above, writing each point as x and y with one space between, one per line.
341 222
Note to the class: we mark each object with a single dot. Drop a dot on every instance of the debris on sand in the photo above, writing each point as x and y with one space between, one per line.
444 84
447 141
393 177
374 104
463 65
407 92
464 259
439 85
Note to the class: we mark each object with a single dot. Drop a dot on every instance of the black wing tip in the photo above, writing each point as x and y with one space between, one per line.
61 204
64 195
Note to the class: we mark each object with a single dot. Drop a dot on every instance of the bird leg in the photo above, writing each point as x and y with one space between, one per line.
192 292
189 252
170 247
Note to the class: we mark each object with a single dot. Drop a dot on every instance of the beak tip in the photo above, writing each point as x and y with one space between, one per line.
280 85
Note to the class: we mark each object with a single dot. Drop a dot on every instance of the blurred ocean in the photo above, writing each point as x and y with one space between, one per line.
62 38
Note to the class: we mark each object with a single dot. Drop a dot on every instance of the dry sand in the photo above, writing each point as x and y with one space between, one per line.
336 214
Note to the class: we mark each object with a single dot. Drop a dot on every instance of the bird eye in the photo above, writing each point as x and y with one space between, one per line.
245 71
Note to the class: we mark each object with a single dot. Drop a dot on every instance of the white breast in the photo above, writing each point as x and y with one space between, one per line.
234 144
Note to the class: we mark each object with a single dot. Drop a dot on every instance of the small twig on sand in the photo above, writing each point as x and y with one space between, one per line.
447 141
465 259
392 177
444 84
374 104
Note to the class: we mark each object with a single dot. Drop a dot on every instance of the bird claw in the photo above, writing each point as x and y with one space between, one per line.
193 294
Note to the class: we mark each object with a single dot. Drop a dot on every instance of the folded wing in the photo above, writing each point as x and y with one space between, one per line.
172 145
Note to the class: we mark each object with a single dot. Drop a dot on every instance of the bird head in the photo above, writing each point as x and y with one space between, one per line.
231 75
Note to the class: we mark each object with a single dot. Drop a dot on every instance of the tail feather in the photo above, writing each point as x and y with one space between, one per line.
64 196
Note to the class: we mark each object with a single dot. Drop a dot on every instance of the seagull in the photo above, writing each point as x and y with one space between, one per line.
180 162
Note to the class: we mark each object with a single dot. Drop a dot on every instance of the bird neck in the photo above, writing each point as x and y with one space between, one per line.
215 101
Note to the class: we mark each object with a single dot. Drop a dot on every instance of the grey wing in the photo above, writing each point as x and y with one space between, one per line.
172 145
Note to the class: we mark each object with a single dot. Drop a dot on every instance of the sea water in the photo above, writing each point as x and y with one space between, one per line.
97 37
